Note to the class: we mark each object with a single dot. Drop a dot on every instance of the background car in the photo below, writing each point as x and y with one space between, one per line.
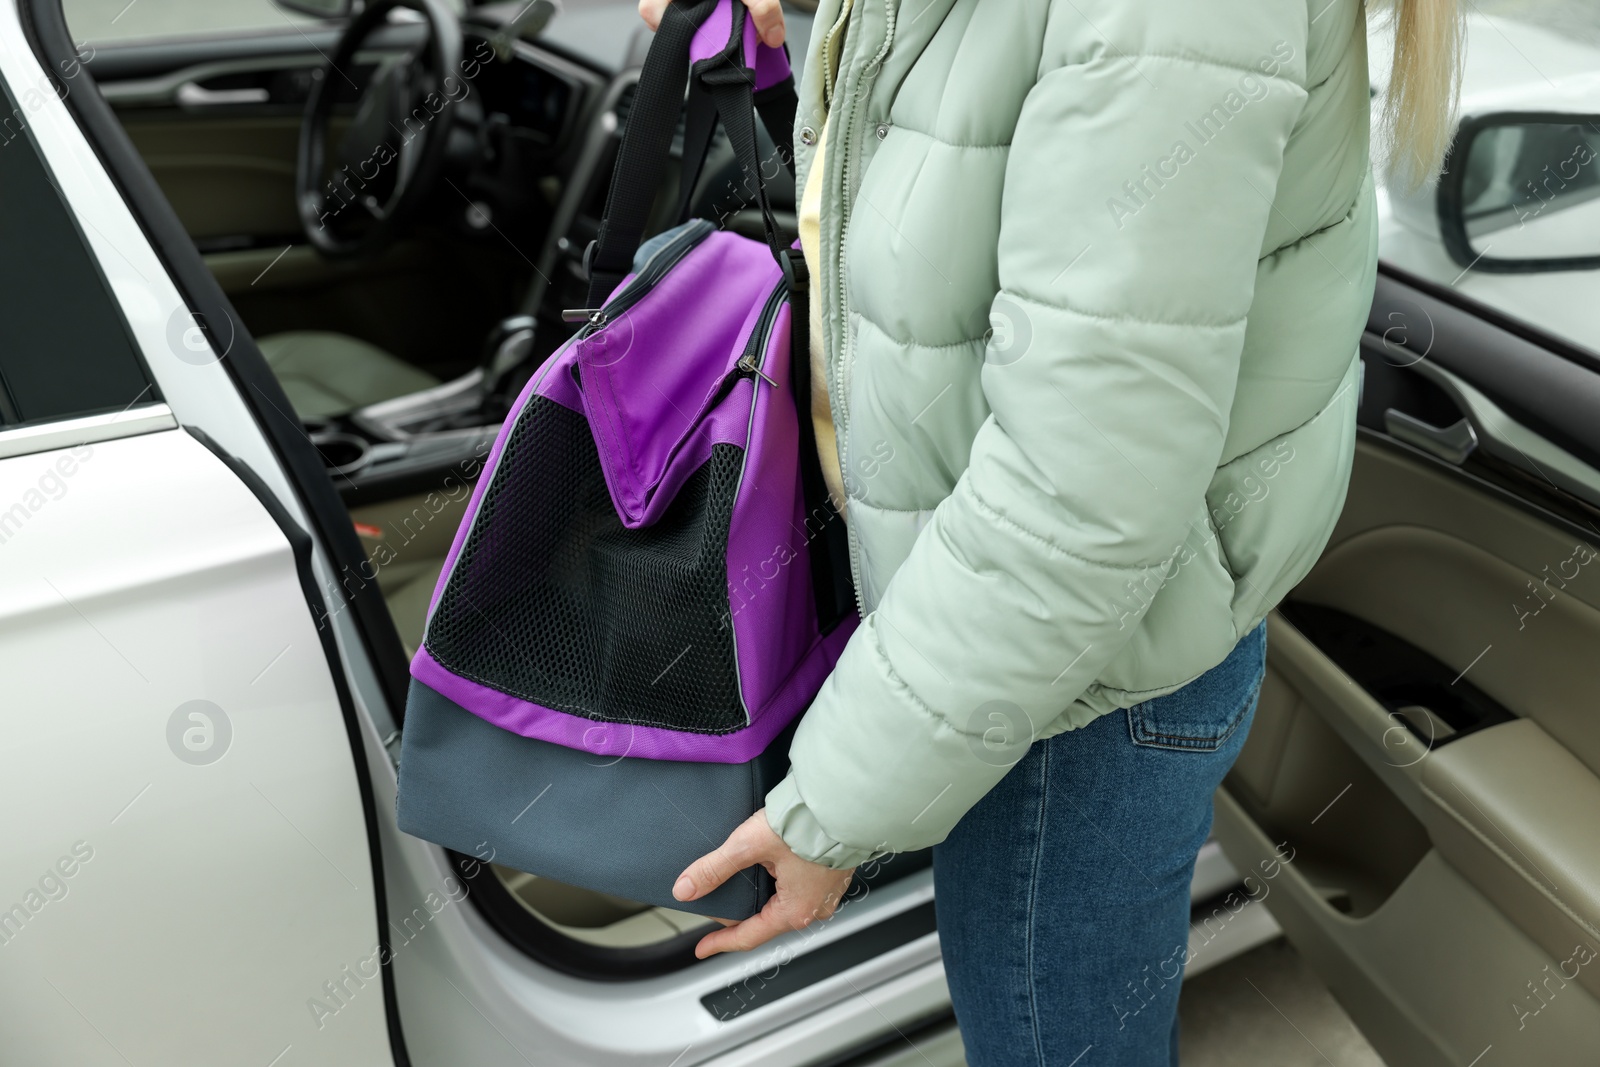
231 464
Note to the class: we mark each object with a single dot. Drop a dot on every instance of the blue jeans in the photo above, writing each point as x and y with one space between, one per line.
1063 896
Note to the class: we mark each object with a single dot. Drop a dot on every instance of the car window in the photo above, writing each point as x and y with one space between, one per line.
65 349
1525 211
100 22
114 21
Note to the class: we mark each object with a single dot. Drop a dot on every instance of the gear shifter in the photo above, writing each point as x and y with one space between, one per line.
507 347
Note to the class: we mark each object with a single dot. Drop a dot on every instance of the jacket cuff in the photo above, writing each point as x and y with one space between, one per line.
792 820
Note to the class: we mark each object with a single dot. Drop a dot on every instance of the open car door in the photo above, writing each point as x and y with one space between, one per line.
189 864
1427 750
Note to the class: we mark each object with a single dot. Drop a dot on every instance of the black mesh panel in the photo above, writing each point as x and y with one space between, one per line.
552 600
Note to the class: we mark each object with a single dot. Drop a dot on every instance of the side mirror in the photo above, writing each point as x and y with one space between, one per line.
321 9
1521 193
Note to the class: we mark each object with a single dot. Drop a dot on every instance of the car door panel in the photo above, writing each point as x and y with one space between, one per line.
172 711
1444 879
229 179
228 172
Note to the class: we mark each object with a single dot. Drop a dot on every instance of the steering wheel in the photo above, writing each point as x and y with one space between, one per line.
393 150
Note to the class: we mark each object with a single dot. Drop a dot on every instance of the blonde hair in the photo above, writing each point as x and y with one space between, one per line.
1417 122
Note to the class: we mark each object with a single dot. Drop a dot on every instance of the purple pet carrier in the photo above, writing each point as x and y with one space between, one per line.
650 584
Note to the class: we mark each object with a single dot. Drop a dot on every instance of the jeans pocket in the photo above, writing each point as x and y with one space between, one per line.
1202 715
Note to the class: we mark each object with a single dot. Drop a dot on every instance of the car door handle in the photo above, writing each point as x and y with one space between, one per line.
1453 443
193 94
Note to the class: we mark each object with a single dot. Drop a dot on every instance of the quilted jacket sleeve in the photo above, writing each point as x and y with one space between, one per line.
1128 251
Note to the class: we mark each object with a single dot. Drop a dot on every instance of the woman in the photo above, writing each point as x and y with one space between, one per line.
1089 278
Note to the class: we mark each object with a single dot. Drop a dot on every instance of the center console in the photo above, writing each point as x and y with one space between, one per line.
411 444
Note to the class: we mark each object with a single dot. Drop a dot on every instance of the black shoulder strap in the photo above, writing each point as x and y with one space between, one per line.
827 540
646 142
776 104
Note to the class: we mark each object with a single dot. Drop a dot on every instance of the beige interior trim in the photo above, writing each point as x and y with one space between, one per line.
1521 813
596 918
1434 975
1354 838
1388 749
1391 489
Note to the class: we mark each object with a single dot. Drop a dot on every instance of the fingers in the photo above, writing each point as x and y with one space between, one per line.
744 936
803 897
805 892
747 845
651 11
768 15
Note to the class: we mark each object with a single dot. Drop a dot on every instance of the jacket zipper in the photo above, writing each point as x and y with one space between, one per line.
829 75
654 269
842 425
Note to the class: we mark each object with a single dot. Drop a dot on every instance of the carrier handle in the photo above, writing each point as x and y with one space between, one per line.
720 84
734 75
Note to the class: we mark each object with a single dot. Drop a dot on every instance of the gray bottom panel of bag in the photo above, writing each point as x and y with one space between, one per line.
627 827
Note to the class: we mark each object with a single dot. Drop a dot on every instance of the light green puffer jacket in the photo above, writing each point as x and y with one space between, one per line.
1098 270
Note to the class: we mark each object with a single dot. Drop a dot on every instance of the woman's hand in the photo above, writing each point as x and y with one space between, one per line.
767 13
806 892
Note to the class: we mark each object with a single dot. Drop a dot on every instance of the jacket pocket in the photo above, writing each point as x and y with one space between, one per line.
1204 714
1274 508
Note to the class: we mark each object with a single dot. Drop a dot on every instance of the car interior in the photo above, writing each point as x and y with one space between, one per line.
1427 740
402 240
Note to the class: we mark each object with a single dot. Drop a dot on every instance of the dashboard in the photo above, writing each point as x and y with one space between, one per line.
530 96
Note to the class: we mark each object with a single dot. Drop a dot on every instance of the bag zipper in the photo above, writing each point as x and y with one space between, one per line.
654 269
755 349
749 362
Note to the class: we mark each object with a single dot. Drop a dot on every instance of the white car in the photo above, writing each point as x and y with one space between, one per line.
1529 135
233 452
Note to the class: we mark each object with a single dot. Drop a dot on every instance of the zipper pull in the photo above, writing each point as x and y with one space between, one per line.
592 316
748 365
